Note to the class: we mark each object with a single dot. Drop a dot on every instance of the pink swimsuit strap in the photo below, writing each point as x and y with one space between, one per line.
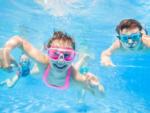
67 81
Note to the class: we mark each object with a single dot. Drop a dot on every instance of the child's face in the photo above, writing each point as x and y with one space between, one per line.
130 38
61 55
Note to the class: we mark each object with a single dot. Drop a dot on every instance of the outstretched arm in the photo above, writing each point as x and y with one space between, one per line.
105 56
17 41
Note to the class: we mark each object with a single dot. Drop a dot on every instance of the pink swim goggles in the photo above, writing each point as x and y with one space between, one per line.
67 54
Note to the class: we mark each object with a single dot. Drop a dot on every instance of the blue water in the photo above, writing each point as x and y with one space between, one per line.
92 23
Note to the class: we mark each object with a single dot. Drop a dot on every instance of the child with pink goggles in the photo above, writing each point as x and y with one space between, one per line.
55 53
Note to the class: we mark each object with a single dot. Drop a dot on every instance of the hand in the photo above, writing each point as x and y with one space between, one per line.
106 61
93 83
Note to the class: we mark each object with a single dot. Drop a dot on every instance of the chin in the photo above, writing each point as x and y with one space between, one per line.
130 46
133 45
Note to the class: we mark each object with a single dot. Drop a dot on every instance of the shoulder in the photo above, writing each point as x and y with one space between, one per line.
116 44
73 70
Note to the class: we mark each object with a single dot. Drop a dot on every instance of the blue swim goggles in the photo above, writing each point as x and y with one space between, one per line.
134 37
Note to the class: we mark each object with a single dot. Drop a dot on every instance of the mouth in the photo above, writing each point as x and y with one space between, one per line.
132 45
60 66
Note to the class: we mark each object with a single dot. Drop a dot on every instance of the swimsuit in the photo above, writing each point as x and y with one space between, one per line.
24 68
67 81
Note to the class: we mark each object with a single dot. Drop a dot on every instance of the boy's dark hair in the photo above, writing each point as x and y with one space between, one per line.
128 24
59 35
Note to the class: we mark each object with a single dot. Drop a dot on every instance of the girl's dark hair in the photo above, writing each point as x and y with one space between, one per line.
59 35
128 24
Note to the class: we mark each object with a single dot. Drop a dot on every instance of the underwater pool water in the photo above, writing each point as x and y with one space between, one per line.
92 23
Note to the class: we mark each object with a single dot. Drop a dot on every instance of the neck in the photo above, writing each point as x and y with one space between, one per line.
57 77
58 74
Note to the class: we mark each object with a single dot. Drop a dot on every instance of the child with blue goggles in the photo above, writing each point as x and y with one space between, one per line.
131 36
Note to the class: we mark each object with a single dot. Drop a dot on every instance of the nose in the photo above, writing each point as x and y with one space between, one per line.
61 58
130 41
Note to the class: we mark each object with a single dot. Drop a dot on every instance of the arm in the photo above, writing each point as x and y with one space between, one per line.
146 40
88 80
17 41
105 56
82 59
